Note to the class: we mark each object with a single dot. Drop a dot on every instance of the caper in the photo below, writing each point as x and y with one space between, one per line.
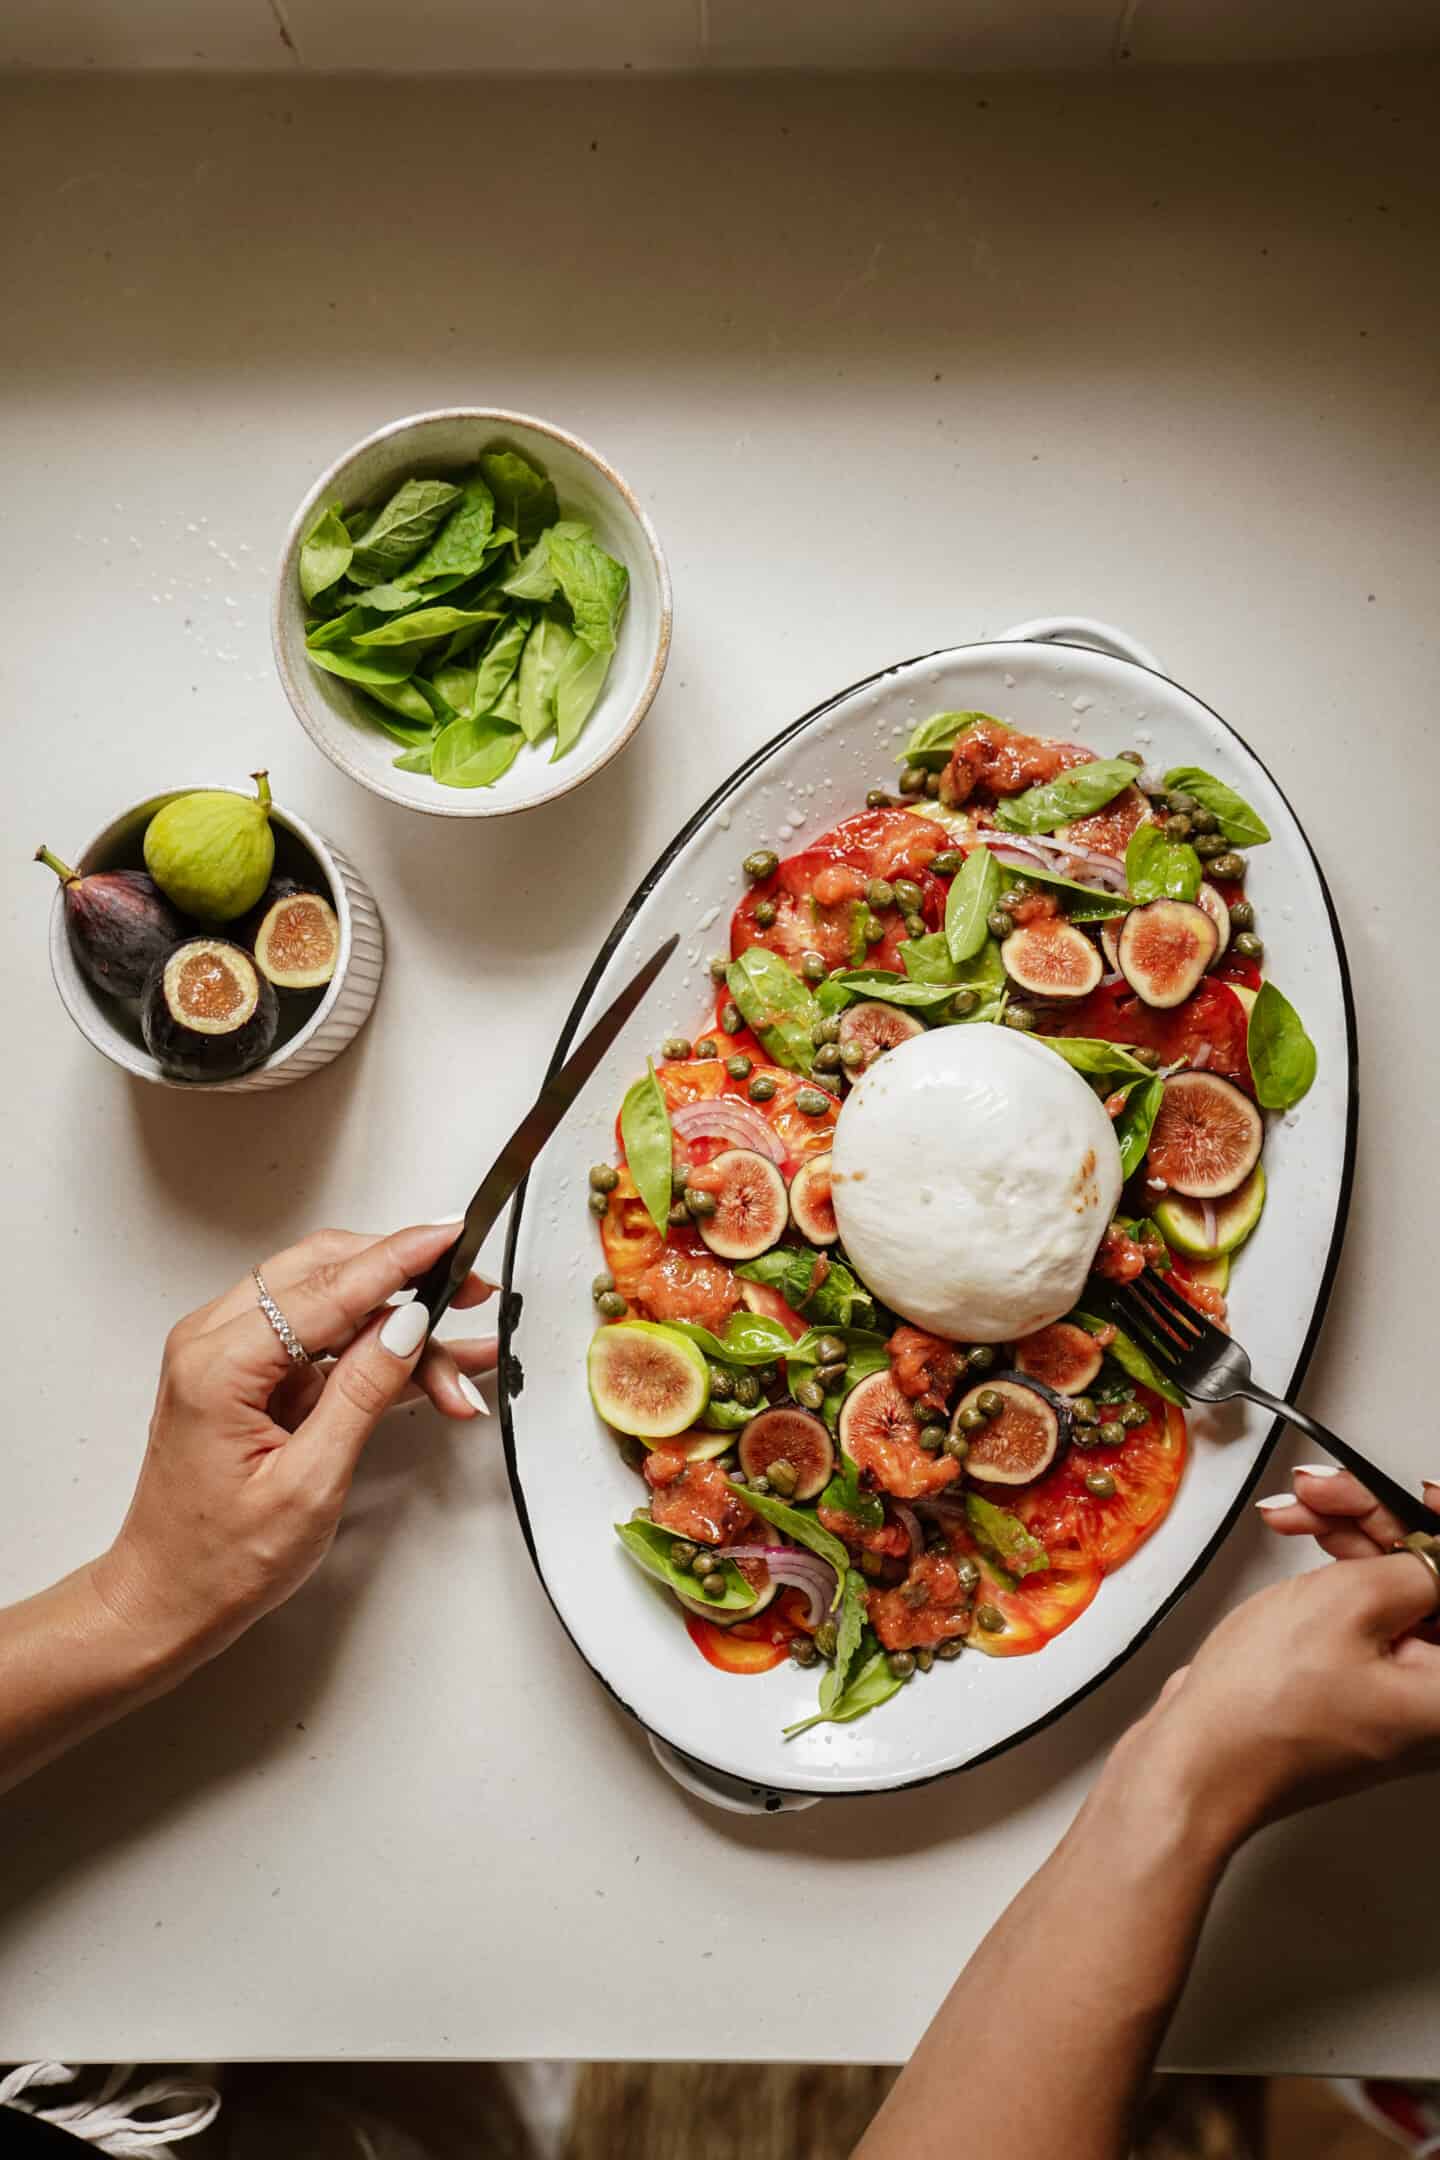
722 1384
932 1438
1134 1414
760 863
1086 1436
803 1651
713 1586
702 1561
827 1638
1182 804
1143 1055
999 922
1249 946
877 799
812 1102
601 1283
980 1357
599 1203
676 1046
641 1514
950 1649
957 1446
1209 846
1230 865
603 1178
700 1202
1022 1019
825 1031
932 786
871 1564
852 1057
971 1420
747 1390
783 1477
813 967
1100 1484
915 1594
611 1305
873 930
1131 757
908 894
1083 1411
761 1088
767 1375
964 1003
731 1019
810 1395
1179 826
765 913
1011 898
831 1377
948 863
828 1059
915 925
679 1215
968 1573
1242 915
1112 1433
1205 821
924 1659
880 893
990 1618
739 1067
912 780
901 1664
719 967
760 1484
990 1402
683 1553
831 1349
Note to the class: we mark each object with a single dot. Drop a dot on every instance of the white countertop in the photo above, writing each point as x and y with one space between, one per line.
893 366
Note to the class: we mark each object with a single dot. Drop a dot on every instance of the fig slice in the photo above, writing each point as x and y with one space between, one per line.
1052 960
872 1028
1212 900
1023 1439
207 1013
1164 949
811 1208
1063 1357
1206 1137
646 1380
1210 1231
1110 941
750 1205
787 1434
297 941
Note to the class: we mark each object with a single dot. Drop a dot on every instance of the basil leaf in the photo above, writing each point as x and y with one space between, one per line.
460 546
454 683
498 663
1131 1359
865 1353
534 578
927 960
1132 1127
507 705
428 622
325 553
845 1494
650 1545
475 753
803 1527
1101 1060
1242 826
873 1685
353 664
1074 794
338 631
417 760
776 1005
545 651
524 498
831 1295
649 1145
854 1611
1282 1056
932 742
386 599
408 702
401 529
1159 868
728 1416
577 686
892 989
1083 903
1004 1539
973 893
749 1338
594 584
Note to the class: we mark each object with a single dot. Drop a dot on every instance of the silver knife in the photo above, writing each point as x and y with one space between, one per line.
437 1287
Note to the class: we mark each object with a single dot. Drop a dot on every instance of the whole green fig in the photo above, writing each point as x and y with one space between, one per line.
212 853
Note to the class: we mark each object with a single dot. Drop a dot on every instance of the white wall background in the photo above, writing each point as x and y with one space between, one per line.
586 36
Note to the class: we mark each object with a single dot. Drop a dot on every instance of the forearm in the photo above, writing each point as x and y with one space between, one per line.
1045 2041
70 1663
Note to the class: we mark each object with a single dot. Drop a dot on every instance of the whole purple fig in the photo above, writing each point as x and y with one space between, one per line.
119 924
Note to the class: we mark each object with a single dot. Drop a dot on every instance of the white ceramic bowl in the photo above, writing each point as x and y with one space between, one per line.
568 1480
588 487
112 1025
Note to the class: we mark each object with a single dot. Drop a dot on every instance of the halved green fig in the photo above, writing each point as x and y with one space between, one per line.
1210 1274
118 922
1063 1357
1211 1232
1164 949
1052 960
789 1435
1212 900
1206 1137
297 939
1022 1438
872 1028
761 1581
751 1207
811 1208
206 1012
646 1380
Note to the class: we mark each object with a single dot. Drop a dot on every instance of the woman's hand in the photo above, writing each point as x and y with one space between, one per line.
250 1456
1334 1508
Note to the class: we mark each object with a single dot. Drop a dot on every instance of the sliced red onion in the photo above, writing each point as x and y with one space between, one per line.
1020 849
800 1569
1200 1056
1207 1217
1108 982
725 1117
909 1523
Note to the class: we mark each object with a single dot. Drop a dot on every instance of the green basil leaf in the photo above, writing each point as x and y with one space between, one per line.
460 546
776 1004
427 622
406 524
728 1416
577 686
507 705
1132 1127
1074 794
973 893
1159 868
475 753
854 1611
408 702
1129 1356
545 651
1282 1056
1083 903
593 583
339 630
802 1526
892 989
927 960
650 1545
534 578
846 1495
1100 1060
873 1685
354 664
1242 826
498 663
386 599
649 1145
932 742
865 1353
749 1338
829 1296
416 760
455 683
524 498
1004 1539
325 553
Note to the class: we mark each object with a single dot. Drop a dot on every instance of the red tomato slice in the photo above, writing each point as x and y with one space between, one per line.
1214 1015
1147 1472
1036 1609
815 899
760 1298
631 1241
750 1646
1235 968
1109 829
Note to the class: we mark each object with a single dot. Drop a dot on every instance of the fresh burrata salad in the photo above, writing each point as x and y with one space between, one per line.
988 1047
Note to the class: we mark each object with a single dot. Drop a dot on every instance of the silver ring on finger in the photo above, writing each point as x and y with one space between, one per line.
298 1354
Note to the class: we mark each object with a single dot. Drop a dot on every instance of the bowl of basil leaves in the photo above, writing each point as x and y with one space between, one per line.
472 613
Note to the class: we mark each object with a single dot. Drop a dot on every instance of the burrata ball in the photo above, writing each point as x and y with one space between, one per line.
974 1173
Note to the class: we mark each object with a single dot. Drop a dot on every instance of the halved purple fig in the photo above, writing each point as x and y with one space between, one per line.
1164 949
297 940
1022 1438
1052 960
761 1581
1212 900
750 1205
206 1012
1206 1137
811 1208
1062 1357
873 1028
789 1435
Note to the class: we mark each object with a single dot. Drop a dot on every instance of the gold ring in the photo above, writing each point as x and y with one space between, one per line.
298 1354
1425 1548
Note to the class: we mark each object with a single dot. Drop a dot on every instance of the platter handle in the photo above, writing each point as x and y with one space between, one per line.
734 1795
1084 630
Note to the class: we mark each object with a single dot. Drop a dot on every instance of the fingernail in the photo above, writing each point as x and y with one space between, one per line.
404 1331
1276 1500
1315 1469
473 1395
1431 1484
447 1222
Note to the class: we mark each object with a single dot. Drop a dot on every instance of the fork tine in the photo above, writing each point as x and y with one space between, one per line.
1173 1314
1137 1317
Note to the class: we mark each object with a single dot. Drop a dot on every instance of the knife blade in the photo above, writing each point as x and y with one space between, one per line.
438 1285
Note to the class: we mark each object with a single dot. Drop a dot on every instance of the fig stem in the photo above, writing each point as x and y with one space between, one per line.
66 875
262 783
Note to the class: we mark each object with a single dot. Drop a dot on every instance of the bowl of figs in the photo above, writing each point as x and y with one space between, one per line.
209 938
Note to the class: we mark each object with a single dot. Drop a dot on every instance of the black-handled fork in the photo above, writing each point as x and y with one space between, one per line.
1212 1367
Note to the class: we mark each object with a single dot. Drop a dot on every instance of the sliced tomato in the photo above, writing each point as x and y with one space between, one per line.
816 891
1147 1472
1214 1015
750 1646
1235 968
1109 829
799 1133
684 1282
631 1241
884 843
760 1298
1036 1609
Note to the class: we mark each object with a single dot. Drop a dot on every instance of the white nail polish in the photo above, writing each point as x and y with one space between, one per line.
1315 1469
1276 1500
404 1331
473 1395
446 1222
